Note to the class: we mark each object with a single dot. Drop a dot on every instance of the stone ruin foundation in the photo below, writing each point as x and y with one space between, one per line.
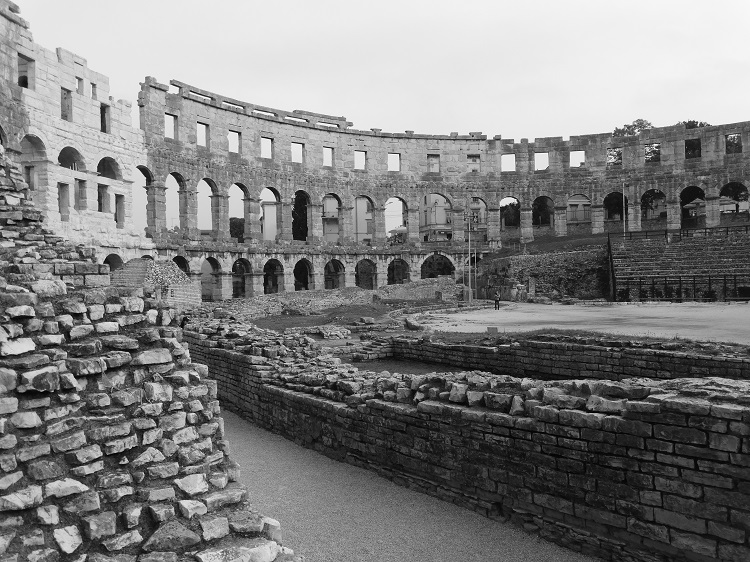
113 447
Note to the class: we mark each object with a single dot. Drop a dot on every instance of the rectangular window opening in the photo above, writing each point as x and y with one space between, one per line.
201 97
104 118
692 148
102 198
360 160
79 85
298 152
474 163
93 91
201 138
63 201
733 143
120 211
577 158
328 156
266 147
394 162
614 156
66 104
170 126
80 196
652 152
508 163
25 72
433 163
541 161
264 113
296 119
233 106
233 141
329 125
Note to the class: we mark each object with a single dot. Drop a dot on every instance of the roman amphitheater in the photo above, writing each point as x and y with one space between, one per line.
604 407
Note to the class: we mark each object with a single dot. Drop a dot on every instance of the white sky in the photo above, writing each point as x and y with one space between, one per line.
519 69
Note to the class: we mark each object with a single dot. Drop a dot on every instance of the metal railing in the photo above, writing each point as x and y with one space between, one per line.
681 288
679 234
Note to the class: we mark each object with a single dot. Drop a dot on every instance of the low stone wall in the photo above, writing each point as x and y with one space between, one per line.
549 360
636 471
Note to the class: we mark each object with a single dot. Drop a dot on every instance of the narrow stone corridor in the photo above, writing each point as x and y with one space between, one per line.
334 512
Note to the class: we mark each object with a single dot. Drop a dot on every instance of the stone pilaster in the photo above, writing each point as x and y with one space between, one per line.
561 220
597 218
527 226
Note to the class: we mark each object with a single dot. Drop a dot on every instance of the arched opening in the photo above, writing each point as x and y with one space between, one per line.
109 168
693 207
333 275
182 263
241 278
332 218
269 213
70 158
174 183
114 262
543 212
366 275
206 188
300 216
147 257
396 220
398 272
273 277
733 202
510 213
614 204
653 207
437 265
364 225
303 276
33 158
435 218
210 281
237 196
579 209
476 221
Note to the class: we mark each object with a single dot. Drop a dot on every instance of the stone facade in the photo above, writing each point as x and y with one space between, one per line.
112 442
638 470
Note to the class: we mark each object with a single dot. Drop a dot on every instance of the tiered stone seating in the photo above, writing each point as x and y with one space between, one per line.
706 262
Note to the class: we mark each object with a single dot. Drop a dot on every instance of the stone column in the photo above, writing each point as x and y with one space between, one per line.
634 215
257 280
349 276
156 207
412 226
252 219
493 225
284 220
189 211
561 220
379 235
459 232
597 218
346 234
713 211
286 282
674 214
527 226
222 285
220 216
315 226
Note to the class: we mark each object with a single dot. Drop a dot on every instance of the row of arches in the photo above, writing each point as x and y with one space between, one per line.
33 150
243 281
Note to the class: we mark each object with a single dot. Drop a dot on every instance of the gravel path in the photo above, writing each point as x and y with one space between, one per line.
334 512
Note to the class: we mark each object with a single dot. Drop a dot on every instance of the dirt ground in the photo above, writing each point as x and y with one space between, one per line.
710 322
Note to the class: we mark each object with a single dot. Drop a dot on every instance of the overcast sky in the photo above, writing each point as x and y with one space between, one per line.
518 69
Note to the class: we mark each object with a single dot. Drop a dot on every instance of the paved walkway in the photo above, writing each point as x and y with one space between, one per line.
334 512
724 322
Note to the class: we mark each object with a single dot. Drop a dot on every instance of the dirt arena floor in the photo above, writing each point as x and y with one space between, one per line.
710 322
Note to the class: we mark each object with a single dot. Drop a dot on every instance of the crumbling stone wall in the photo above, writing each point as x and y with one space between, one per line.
632 470
581 274
112 443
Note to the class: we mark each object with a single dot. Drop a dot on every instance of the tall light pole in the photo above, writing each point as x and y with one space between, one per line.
474 207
